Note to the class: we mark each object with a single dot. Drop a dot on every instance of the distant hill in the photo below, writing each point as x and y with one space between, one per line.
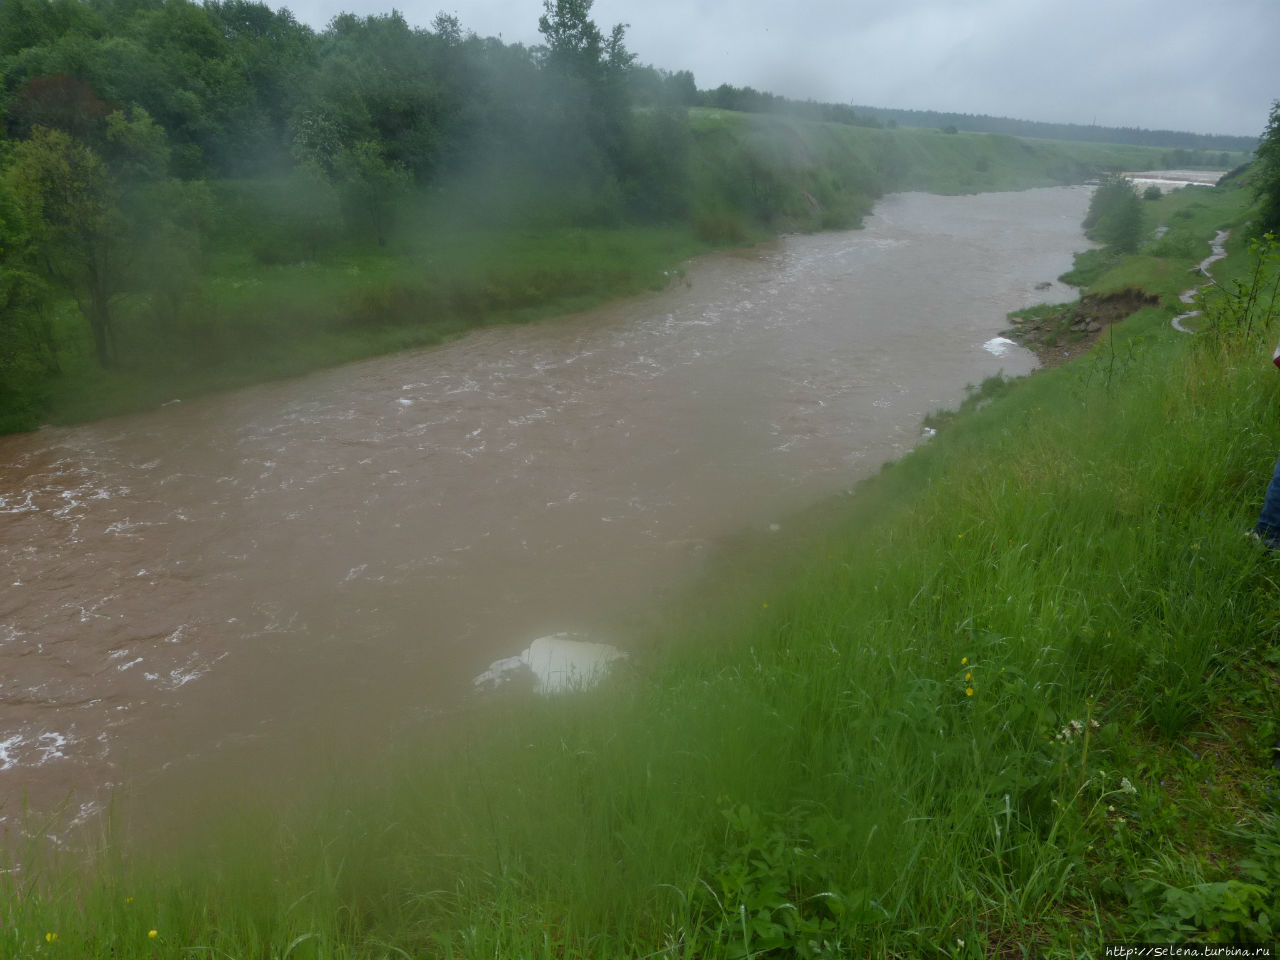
654 86
980 123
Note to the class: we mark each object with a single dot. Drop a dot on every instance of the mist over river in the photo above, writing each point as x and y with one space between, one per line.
340 554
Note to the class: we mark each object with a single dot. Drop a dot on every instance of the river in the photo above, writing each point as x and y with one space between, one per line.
347 550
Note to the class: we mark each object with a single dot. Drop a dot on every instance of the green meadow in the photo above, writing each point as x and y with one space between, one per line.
1014 696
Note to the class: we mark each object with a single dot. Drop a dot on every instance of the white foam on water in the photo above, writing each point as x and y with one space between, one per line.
998 346
180 678
47 746
50 746
6 750
25 506
559 663
500 672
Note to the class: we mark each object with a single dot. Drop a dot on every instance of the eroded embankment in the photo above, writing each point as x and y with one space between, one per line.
1061 335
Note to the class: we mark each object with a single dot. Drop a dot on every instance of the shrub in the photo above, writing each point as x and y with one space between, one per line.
1115 215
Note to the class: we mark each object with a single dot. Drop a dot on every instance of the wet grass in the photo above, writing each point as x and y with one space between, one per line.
249 323
1014 697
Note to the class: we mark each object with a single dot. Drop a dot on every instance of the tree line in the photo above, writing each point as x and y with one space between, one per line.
120 116
1185 148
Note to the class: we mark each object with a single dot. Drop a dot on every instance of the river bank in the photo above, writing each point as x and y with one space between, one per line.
1116 287
255 312
1012 697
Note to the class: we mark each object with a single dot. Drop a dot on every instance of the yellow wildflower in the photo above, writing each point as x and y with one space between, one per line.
964 661
968 677
152 934
50 937
968 691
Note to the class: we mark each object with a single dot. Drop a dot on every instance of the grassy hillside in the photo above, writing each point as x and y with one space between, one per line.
928 160
1016 696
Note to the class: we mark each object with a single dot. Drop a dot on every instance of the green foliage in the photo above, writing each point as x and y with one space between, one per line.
1235 912
136 149
68 204
574 43
1115 215
371 188
1089 266
28 347
772 894
1243 311
1267 177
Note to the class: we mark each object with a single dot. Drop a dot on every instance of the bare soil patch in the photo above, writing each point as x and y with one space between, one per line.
1063 333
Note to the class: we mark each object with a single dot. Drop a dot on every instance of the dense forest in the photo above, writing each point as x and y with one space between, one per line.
173 173
142 138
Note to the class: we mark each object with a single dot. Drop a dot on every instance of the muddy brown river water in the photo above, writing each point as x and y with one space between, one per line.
348 550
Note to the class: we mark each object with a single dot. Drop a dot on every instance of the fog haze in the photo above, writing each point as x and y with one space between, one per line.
1204 67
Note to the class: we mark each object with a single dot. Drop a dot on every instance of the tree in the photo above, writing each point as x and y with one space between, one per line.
1115 215
593 72
574 43
371 186
86 215
1268 178
60 102
26 328
67 200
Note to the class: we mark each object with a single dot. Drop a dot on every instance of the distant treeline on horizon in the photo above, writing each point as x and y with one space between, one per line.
983 123
750 100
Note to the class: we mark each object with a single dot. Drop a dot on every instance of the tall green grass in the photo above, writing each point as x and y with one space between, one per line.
1013 697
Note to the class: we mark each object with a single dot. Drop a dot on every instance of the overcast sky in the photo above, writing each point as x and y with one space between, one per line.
1208 66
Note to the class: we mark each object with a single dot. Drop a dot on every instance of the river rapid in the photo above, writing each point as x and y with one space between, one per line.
335 556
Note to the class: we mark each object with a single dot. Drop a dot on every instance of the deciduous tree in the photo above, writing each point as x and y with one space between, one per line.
1115 215
1268 177
67 201
371 186
26 330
